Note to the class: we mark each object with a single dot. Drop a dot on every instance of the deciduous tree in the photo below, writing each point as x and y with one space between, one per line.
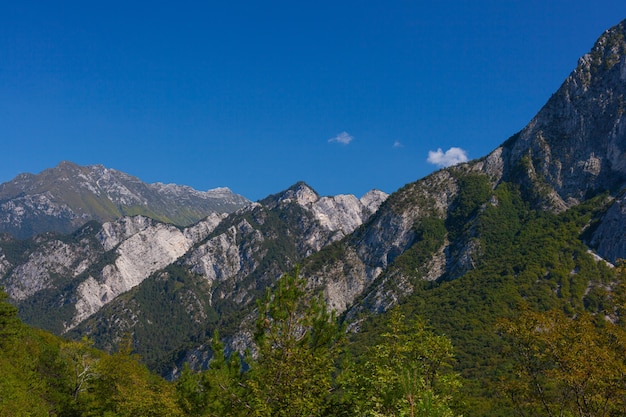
408 373
570 366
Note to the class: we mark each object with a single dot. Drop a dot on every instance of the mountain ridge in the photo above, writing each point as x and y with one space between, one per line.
100 262
65 197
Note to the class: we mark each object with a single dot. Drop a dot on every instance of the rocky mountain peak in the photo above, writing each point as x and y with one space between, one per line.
300 193
65 197
373 199
341 213
576 145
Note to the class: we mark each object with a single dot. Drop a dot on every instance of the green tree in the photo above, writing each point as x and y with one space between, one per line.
408 373
217 391
125 388
22 391
565 366
297 342
224 383
9 322
82 360
190 393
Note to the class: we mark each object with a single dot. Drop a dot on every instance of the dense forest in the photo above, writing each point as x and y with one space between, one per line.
535 328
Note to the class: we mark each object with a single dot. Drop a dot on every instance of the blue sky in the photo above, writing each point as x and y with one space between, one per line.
345 95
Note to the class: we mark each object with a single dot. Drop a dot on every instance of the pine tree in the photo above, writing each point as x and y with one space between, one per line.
408 373
9 322
296 339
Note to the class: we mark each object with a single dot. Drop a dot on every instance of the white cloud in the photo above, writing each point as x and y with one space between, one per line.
448 158
398 144
343 138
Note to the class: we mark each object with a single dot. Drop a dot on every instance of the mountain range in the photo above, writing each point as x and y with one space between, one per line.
542 218
65 197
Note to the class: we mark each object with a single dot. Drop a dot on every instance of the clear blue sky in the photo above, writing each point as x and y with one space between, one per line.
256 95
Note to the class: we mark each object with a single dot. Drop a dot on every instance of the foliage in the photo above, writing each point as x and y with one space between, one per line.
296 341
9 323
526 256
16 251
43 375
557 356
408 373
167 312
474 191
328 255
430 234
217 391
125 387
298 368
565 366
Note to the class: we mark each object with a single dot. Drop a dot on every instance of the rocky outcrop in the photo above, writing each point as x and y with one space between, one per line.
137 257
142 247
46 261
92 267
368 252
52 259
228 254
288 226
609 239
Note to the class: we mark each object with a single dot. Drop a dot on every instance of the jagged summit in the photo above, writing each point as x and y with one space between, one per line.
300 192
304 194
576 145
66 196
347 210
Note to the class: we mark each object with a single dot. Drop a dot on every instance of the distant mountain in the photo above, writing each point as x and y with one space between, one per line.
64 198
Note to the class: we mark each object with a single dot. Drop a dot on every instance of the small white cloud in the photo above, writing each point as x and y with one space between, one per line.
398 144
448 158
344 138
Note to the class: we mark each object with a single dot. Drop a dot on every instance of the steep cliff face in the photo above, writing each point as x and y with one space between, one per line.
83 272
142 247
609 239
231 253
65 197
576 145
572 150
50 261
262 241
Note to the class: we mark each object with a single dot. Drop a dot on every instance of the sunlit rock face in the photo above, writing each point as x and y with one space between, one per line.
91 268
576 145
